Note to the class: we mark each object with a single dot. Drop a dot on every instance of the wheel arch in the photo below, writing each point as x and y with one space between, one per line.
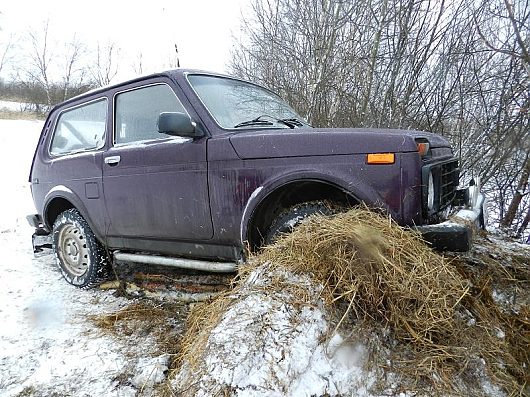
268 201
60 199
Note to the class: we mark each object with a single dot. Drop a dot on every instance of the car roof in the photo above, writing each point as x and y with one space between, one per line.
174 73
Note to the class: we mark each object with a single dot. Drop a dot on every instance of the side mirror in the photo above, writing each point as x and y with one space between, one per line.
175 123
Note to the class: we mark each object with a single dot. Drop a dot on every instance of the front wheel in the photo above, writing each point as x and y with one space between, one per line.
81 258
287 220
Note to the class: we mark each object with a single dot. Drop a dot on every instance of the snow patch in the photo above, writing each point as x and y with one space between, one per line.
15 106
151 371
267 344
295 221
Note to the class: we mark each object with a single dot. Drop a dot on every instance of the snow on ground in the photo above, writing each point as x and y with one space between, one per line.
14 106
268 344
47 344
500 239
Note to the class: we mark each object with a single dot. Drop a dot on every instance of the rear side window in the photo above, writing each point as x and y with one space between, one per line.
137 112
80 129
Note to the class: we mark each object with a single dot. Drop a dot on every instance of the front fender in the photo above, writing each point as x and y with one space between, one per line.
355 187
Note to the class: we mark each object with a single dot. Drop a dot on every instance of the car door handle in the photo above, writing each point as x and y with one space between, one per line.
112 160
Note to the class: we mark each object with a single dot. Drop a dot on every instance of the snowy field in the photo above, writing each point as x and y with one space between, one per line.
47 345
14 106
263 346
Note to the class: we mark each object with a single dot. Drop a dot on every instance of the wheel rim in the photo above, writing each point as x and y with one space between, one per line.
72 250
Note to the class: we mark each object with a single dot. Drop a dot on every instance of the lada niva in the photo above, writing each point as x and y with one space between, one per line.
187 168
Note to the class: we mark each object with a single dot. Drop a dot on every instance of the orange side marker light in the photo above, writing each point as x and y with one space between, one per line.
380 158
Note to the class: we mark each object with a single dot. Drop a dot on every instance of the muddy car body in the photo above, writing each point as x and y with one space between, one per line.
187 164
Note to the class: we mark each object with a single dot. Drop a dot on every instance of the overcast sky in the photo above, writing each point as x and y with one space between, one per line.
202 29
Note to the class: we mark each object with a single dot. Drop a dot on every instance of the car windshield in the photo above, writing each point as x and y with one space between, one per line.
234 104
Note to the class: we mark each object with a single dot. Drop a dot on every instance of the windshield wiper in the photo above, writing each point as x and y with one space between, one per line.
291 122
255 121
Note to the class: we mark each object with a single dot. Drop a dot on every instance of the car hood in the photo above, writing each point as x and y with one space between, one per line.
327 141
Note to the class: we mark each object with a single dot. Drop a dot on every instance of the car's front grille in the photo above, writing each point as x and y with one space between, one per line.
448 183
445 177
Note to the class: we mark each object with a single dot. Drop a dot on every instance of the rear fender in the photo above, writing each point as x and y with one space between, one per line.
63 192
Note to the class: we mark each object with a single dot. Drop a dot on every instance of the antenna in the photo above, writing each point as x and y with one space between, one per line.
177 55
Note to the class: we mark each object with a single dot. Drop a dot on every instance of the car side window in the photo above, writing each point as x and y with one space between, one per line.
137 112
79 129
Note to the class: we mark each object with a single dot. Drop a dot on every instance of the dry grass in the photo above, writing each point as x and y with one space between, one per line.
379 276
385 273
494 270
161 320
203 317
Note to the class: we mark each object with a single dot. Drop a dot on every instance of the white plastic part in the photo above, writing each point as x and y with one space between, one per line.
430 192
476 211
474 192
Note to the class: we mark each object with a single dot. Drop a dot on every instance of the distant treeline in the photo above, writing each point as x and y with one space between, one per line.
36 96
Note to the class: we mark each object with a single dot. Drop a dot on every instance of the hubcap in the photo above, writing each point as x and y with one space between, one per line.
72 250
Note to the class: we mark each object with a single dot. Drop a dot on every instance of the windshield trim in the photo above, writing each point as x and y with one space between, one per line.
210 114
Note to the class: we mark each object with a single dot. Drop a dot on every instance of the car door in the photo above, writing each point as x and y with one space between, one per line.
155 185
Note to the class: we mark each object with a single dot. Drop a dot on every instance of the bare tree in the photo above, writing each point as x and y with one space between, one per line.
52 70
138 65
175 62
520 192
418 64
524 223
516 31
5 53
40 56
106 65
74 72
513 39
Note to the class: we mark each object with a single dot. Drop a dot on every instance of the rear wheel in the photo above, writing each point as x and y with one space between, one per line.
287 220
81 258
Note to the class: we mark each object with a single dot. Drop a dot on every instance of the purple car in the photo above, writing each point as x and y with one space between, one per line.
186 168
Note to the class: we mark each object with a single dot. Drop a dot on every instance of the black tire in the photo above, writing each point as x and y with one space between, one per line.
287 220
81 258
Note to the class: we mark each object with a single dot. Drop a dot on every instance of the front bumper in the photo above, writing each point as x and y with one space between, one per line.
456 234
41 238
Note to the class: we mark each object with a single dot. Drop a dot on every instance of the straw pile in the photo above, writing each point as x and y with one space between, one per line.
383 272
442 330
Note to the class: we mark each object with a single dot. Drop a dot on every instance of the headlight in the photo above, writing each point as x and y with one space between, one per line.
430 192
